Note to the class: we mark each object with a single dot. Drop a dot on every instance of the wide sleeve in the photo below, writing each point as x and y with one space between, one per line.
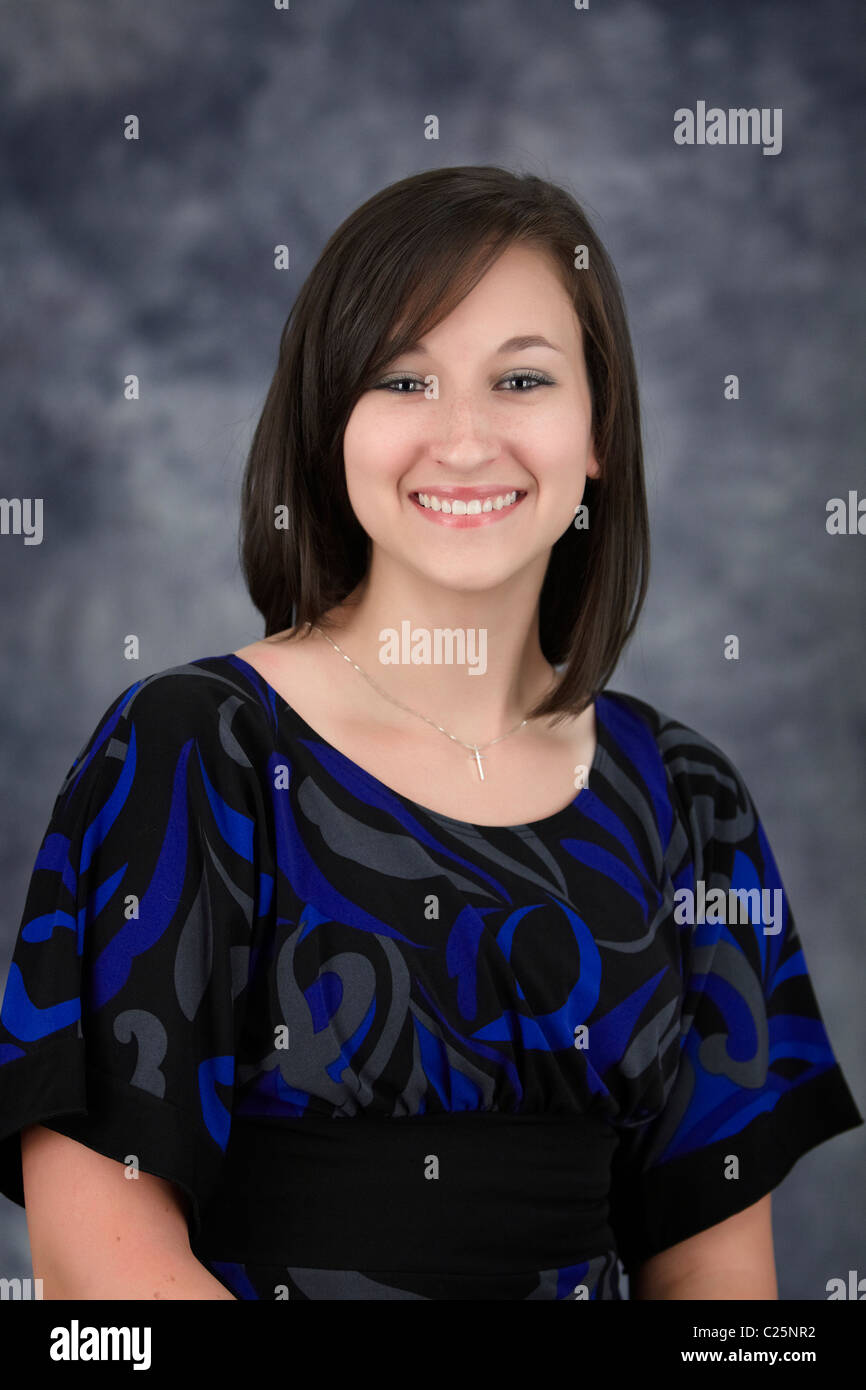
125 994
757 1083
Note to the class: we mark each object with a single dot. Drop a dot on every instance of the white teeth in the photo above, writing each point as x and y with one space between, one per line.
459 508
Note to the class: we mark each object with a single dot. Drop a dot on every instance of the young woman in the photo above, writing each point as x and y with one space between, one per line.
393 955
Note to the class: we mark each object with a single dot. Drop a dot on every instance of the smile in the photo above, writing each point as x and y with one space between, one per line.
450 510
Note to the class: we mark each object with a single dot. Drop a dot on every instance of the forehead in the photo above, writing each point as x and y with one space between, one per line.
524 270
519 294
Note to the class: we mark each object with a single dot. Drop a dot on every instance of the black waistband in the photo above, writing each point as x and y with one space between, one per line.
465 1192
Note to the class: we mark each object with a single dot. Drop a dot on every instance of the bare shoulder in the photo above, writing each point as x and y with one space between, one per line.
288 638
283 651
292 663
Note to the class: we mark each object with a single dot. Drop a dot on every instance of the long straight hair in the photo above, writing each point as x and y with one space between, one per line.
394 269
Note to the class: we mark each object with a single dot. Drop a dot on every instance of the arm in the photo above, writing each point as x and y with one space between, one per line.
733 1259
94 1233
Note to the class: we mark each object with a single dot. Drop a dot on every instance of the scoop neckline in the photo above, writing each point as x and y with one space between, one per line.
533 827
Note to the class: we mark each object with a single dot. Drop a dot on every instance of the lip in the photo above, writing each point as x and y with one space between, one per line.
467 495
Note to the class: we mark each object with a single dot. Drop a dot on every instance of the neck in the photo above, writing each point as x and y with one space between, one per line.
470 662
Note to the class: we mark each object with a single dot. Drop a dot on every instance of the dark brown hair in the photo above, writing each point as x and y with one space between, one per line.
393 270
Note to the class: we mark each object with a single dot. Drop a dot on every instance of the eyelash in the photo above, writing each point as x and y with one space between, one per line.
529 374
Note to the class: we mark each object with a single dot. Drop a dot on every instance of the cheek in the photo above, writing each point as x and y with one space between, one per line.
359 462
354 437
559 467
373 464
373 443
558 461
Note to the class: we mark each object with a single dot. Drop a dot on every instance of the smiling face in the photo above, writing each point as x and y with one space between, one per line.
498 445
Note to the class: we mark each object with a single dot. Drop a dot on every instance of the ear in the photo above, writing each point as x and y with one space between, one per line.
593 467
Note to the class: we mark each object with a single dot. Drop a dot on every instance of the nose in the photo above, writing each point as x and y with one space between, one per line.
462 436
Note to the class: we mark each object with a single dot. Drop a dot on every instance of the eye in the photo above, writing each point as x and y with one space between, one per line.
530 375
388 382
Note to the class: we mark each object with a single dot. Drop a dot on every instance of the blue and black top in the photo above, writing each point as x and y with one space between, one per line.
388 1054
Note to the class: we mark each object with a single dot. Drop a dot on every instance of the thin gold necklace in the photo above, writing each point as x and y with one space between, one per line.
474 748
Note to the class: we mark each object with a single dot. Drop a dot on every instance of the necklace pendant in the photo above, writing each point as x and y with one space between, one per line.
478 757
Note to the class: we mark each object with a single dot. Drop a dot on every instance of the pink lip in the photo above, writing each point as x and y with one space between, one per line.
476 519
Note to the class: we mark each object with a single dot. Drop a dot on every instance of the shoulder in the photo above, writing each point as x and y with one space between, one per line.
184 696
668 753
210 703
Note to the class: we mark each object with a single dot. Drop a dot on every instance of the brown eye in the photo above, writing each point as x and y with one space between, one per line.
388 382
536 378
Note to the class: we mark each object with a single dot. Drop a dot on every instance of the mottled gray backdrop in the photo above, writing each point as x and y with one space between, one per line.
261 126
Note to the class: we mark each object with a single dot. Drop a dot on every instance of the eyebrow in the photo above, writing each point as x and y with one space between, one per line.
523 340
